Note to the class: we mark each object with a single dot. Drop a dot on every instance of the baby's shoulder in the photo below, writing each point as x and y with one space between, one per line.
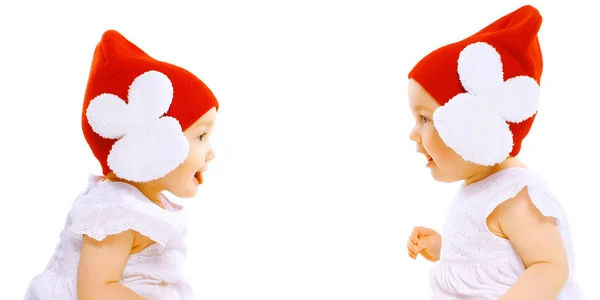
522 190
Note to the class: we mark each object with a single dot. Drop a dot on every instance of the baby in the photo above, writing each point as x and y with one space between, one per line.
148 123
474 101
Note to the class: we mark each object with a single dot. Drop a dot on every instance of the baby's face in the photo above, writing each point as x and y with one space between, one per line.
445 164
183 182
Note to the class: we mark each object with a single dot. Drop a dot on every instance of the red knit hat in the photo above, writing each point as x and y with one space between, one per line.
136 109
487 86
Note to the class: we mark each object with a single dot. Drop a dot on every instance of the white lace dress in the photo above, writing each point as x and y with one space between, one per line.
107 208
475 263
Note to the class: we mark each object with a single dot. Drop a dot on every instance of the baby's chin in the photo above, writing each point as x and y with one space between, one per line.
185 194
441 179
445 177
188 190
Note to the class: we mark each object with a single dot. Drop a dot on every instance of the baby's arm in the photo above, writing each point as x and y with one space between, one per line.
539 243
101 267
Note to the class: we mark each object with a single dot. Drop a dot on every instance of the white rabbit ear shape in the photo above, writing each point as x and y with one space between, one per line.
150 95
109 116
521 99
149 145
480 69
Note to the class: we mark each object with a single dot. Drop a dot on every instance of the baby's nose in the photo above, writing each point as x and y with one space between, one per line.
210 156
414 136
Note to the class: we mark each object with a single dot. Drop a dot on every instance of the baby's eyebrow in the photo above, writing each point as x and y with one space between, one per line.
205 124
421 107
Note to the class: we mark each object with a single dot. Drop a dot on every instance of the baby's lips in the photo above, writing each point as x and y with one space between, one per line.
198 177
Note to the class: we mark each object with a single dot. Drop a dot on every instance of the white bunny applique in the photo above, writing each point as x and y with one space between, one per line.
474 124
149 145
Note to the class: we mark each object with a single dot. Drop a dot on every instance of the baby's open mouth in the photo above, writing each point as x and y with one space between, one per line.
429 160
198 177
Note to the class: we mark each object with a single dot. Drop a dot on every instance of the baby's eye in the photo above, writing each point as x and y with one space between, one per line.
424 119
202 136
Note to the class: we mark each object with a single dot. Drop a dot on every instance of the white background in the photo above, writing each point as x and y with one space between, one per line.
316 185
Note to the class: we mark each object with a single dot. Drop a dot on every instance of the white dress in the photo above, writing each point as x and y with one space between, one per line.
476 264
107 208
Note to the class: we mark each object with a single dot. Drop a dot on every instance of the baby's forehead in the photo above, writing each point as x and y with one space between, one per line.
207 120
203 123
422 106
419 99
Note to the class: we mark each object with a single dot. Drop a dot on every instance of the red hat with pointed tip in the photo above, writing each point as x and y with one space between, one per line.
117 64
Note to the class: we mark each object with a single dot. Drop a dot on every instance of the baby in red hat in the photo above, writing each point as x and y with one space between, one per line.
506 236
148 123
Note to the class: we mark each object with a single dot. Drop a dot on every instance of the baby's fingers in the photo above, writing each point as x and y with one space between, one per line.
412 254
413 249
414 235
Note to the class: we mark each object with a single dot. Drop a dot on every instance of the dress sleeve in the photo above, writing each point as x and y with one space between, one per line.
538 192
106 211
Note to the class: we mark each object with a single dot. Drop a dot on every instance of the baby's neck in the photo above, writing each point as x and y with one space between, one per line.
150 192
511 162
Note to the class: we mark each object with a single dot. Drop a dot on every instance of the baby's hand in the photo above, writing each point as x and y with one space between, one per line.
424 241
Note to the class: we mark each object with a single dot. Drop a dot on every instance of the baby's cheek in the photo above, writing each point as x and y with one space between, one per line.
195 159
436 146
193 153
